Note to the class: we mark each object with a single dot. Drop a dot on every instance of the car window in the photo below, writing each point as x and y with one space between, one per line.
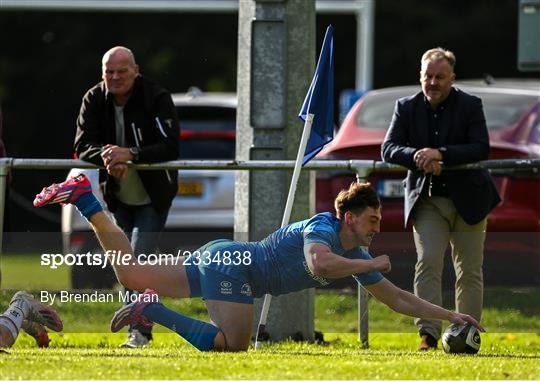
535 131
501 110
206 118
377 109
207 132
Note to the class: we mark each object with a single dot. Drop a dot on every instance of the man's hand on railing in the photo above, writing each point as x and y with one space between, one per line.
119 170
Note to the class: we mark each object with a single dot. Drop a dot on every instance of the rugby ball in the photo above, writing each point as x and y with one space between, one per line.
461 339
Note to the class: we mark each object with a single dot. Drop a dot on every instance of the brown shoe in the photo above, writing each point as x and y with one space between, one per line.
427 342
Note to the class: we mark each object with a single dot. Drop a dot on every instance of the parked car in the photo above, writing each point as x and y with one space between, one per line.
512 110
204 206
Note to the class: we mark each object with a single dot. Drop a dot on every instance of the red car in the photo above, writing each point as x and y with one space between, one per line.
512 109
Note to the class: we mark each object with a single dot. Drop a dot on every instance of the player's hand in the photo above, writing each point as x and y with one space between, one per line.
119 170
112 155
381 264
463 319
423 156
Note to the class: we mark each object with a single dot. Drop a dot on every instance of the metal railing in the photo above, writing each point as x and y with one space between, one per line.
362 169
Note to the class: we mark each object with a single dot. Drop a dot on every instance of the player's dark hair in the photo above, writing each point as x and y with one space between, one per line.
356 199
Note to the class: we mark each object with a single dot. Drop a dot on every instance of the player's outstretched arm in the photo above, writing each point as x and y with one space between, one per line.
323 262
407 303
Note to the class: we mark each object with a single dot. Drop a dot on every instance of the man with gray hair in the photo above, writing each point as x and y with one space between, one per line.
128 118
442 124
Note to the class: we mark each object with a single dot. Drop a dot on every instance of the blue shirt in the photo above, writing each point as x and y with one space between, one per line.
278 264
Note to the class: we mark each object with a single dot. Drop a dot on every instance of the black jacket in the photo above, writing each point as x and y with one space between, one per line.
466 139
151 124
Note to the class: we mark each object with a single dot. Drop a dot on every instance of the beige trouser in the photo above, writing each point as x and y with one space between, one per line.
437 223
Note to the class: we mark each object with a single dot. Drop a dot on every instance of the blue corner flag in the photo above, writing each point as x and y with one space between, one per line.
319 100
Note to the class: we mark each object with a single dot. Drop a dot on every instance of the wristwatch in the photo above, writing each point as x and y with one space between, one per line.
442 150
135 152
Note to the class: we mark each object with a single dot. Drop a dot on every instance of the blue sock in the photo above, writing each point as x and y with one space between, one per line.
88 205
198 333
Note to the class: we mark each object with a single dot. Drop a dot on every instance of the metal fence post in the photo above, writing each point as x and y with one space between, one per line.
4 169
363 296
363 316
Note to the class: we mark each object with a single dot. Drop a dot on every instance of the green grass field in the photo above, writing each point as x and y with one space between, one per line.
86 350
96 356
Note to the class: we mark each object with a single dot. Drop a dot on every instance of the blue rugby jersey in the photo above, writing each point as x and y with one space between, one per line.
278 265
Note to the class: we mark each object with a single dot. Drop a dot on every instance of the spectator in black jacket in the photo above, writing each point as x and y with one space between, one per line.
443 124
128 118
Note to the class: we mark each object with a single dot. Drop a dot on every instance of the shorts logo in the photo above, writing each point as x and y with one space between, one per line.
226 287
246 290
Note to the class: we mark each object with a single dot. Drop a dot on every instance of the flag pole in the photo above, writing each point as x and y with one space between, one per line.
297 169
286 217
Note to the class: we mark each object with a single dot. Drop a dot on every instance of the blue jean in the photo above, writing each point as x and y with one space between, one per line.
143 226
